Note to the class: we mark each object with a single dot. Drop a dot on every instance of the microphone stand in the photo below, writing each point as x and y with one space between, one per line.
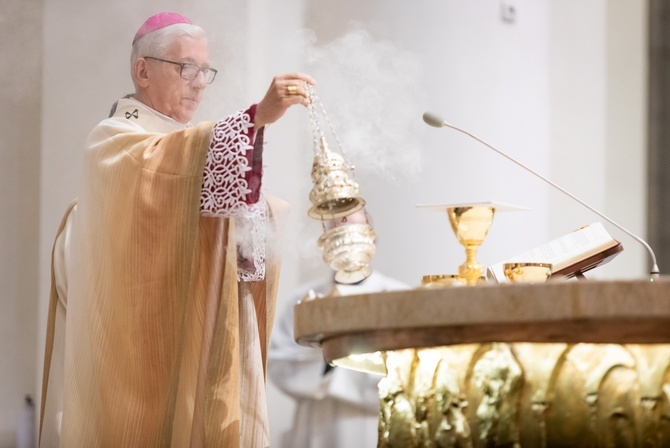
654 273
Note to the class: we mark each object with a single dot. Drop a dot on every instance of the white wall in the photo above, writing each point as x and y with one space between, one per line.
487 76
562 88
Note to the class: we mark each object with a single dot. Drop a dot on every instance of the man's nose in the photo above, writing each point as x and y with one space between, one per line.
199 80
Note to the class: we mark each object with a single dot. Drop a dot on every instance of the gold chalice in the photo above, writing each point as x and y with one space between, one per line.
470 222
529 272
471 225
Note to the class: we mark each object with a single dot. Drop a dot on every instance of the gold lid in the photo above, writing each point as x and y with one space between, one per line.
335 193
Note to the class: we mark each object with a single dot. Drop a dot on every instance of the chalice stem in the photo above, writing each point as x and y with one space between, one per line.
471 270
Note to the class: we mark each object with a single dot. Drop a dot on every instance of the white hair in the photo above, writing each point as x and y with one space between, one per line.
156 43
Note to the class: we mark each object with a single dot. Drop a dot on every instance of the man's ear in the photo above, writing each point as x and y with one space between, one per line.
140 70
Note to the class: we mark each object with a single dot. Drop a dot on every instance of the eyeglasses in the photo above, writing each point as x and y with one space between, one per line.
190 71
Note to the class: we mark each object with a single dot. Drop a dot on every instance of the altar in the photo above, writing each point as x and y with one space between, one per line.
570 363
512 355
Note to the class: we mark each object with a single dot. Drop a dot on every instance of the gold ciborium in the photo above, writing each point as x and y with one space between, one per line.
442 280
528 272
471 225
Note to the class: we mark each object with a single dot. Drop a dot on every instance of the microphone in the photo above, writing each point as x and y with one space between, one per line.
436 121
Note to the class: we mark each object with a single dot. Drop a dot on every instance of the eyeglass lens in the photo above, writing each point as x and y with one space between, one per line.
190 71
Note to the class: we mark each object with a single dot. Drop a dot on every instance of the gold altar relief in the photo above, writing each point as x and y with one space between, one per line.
498 376
526 395
421 403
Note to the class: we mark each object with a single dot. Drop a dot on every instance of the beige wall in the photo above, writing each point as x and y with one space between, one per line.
20 101
598 76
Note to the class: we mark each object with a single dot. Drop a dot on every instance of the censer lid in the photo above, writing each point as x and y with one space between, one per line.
335 192
336 208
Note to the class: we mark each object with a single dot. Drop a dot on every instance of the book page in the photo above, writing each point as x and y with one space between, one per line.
563 251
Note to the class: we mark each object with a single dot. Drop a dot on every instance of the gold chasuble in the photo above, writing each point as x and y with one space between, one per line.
153 341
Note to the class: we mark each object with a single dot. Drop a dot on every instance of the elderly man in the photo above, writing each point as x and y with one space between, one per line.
164 282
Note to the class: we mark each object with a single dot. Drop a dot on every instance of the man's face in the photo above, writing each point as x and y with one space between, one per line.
168 92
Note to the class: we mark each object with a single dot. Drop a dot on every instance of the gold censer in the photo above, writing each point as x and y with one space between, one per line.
348 242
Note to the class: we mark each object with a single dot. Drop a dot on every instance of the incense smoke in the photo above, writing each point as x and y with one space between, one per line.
371 91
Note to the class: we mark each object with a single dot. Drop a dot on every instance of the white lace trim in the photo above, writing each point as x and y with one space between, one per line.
251 227
224 190
224 187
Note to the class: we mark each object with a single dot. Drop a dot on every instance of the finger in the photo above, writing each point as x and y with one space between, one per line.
297 77
306 78
294 100
293 89
297 90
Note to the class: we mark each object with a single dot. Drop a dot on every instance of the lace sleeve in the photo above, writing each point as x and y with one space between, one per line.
251 228
225 186
231 188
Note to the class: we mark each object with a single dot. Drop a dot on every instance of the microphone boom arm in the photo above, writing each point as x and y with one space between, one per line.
654 269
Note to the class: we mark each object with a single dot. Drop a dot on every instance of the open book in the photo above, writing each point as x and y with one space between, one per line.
569 255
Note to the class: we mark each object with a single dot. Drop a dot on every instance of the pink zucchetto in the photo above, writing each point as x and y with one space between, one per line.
158 21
